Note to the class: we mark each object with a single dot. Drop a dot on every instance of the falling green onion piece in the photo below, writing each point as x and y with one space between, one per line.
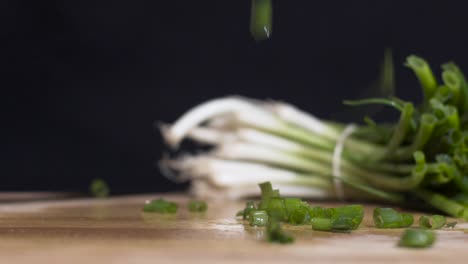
99 188
433 222
258 218
197 206
417 238
160 206
261 19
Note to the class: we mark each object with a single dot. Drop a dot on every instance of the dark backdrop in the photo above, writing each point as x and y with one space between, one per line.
85 80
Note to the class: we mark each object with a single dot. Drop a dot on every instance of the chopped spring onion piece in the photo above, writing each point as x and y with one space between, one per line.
319 212
389 218
258 218
267 191
160 206
408 219
249 207
322 224
343 223
417 238
344 218
291 204
299 216
352 215
99 188
276 209
451 224
276 234
433 222
197 206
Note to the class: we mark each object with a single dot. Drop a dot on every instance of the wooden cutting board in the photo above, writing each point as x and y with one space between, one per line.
116 231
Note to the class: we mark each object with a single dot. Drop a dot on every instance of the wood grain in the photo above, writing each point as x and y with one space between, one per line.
116 231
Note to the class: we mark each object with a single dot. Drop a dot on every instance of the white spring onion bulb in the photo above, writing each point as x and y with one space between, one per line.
243 111
302 119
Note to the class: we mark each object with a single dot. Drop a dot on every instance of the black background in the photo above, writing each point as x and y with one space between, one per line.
85 80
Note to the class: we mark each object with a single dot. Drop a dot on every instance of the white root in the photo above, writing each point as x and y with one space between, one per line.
225 122
211 136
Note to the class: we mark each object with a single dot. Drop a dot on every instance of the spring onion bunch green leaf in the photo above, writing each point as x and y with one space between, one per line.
422 156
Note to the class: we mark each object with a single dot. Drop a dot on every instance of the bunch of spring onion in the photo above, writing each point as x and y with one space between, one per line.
422 157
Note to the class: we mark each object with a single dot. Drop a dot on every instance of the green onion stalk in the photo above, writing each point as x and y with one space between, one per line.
422 157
